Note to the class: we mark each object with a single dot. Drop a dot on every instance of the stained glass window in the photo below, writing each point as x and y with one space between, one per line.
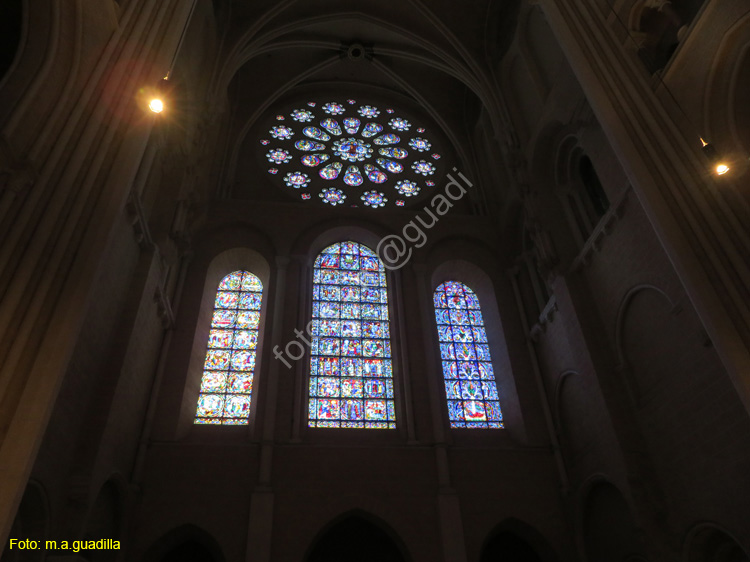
227 383
350 147
467 366
351 374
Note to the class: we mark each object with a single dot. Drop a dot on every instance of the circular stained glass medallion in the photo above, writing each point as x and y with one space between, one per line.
356 146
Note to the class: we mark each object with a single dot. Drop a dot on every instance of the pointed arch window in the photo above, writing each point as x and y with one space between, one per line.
470 386
227 383
351 373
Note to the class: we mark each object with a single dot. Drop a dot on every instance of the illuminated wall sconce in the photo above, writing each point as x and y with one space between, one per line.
157 102
720 167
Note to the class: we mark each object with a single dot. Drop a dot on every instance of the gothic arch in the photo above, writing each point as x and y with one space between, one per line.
622 310
518 541
710 541
223 263
357 531
186 543
31 521
557 403
477 269
725 116
608 529
106 517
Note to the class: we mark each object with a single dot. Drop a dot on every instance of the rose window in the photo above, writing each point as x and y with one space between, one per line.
351 154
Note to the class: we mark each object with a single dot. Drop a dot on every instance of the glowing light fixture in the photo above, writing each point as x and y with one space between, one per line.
156 105
158 102
712 154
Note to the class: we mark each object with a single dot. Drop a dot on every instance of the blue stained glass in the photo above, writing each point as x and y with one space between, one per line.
462 334
445 334
470 387
315 133
390 165
312 160
278 156
352 388
351 125
472 302
351 348
227 383
350 310
483 352
450 369
250 301
308 145
330 293
453 389
443 316
375 329
332 171
349 261
407 188
331 125
352 150
329 310
350 369
471 390
459 317
388 138
489 390
479 335
371 129
399 124
455 411
281 132
393 152
475 317
446 351
468 370
374 199
302 115
334 108
350 294
420 144
368 111
353 177
464 351
351 328
332 196
423 167
374 175
375 388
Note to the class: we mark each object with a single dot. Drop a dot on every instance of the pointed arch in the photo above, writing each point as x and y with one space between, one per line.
470 387
227 383
357 535
351 371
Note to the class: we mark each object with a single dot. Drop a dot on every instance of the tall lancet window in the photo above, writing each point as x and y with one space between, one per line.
351 375
227 384
467 366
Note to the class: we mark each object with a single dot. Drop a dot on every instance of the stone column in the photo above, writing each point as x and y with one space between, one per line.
706 238
58 235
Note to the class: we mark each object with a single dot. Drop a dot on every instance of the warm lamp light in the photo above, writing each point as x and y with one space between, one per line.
712 154
156 105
